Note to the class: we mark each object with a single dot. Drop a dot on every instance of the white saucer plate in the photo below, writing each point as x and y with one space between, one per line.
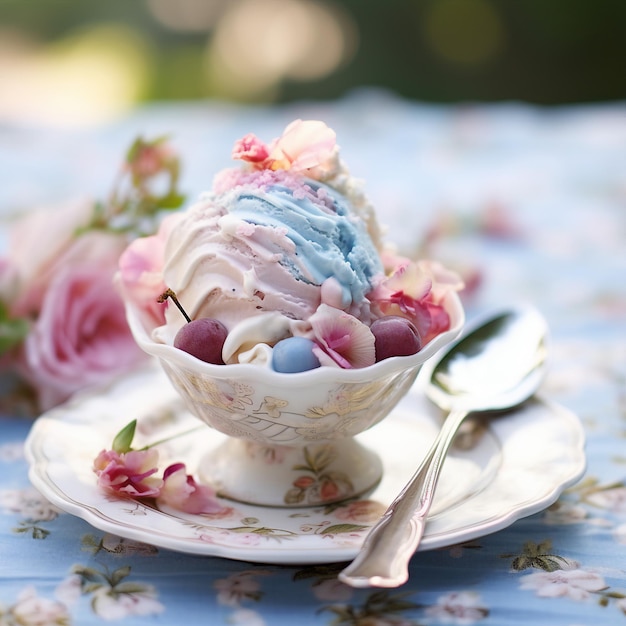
518 466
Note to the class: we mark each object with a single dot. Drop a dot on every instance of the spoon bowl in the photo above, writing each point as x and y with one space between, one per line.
497 364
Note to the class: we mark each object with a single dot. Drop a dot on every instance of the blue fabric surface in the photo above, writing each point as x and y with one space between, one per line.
556 182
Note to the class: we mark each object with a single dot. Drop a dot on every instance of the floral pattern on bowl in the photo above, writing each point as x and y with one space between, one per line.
292 411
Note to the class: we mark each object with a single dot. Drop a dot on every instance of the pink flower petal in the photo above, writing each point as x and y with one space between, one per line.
181 492
345 339
303 145
250 148
131 473
416 290
140 271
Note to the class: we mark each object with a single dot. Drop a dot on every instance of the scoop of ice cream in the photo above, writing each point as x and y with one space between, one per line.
287 246
275 242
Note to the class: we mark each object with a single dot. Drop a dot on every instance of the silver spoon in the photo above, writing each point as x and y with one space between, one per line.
497 364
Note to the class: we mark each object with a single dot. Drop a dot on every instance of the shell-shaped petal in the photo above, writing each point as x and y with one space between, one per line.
345 339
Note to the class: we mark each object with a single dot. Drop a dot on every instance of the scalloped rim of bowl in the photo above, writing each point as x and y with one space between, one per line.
452 304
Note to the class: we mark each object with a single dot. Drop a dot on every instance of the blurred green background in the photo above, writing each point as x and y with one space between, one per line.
82 61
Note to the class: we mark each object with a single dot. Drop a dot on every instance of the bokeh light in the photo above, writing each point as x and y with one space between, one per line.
259 43
467 32
87 77
76 63
187 16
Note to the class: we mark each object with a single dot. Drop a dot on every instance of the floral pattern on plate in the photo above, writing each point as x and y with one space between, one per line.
539 456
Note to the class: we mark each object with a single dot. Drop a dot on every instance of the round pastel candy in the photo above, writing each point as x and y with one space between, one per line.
395 336
294 354
203 338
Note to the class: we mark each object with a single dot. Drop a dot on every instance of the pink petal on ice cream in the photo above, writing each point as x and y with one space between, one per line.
304 145
344 338
250 148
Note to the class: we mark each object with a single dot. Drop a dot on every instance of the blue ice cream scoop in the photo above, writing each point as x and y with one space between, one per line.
330 240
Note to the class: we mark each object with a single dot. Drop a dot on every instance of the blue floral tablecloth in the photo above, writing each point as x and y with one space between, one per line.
530 205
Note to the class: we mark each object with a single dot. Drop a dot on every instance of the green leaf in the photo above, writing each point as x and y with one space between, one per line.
129 588
92 588
134 149
294 496
302 468
172 200
550 562
124 439
323 458
119 575
337 529
39 533
12 330
88 574
521 563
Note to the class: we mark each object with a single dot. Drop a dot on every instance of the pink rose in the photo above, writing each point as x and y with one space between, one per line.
150 159
304 145
80 337
140 272
8 279
181 492
250 148
130 473
38 241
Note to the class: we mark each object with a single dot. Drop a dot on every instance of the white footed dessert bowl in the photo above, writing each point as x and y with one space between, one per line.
291 436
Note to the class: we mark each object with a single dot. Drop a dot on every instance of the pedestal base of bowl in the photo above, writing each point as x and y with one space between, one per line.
269 475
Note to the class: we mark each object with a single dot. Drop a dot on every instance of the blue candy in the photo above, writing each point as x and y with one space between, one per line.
294 354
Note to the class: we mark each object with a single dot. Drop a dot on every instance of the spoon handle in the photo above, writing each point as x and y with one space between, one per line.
384 557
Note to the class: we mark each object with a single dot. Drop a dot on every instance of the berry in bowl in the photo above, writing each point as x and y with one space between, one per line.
284 322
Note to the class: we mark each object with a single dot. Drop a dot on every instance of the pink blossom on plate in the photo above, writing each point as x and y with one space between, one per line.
182 492
81 337
140 271
129 473
343 339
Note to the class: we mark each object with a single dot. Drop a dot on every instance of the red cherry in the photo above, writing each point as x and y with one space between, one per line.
395 336
203 338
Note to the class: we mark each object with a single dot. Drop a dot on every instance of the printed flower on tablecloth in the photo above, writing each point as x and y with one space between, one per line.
112 596
381 608
30 609
62 320
33 507
576 584
458 607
